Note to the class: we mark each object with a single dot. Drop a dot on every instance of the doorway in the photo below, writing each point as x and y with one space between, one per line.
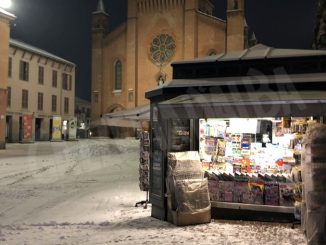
8 129
38 127
20 129
50 129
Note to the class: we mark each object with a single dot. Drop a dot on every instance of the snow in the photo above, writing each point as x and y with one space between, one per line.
84 192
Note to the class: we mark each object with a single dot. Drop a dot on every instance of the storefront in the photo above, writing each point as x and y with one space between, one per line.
246 118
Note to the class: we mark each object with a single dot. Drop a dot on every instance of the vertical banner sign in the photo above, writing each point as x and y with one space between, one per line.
56 130
27 128
72 129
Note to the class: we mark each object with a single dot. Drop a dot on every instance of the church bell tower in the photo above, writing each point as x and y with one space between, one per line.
235 33
100 20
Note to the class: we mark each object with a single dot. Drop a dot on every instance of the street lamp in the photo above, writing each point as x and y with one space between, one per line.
5 4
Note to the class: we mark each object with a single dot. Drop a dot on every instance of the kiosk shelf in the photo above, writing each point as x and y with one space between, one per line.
253 207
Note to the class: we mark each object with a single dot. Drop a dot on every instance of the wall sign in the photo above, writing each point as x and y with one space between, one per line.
27 128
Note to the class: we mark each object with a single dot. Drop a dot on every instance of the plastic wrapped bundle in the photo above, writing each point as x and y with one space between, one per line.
193 204
144 161
314 188
191 195
181 166
187 189
184 163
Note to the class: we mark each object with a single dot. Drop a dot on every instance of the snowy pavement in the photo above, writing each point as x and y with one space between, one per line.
84 192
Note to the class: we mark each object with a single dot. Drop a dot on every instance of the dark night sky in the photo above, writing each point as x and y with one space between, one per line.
62 27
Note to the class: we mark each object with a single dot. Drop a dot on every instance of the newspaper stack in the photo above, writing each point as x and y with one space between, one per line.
187 190
144 161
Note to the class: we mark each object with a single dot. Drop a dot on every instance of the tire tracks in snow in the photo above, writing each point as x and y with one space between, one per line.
94 151
29 173
35 172
3 211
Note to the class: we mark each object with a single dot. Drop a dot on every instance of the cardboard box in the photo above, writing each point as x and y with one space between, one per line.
200 217
191 195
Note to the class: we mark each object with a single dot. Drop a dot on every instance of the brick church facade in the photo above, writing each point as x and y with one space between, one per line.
136 56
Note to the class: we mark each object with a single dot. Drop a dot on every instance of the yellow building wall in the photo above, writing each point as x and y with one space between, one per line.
4 52
211 35
114 50
235 31
195 35
34 87
165 22
97 76
15 110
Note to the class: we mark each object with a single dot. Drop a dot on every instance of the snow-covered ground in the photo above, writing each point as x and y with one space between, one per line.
84 192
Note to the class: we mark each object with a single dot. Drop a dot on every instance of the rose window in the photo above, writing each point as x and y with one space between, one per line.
162 49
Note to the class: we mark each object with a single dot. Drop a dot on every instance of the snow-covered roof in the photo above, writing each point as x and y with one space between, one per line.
4 13
35 50
258 51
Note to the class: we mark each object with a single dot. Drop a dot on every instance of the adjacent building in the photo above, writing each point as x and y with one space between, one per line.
41 88
5 19
136 56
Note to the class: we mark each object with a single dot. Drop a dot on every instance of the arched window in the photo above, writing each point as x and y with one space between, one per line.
118 75
235 4
212 52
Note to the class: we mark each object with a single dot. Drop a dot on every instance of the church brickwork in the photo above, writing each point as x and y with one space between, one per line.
155 34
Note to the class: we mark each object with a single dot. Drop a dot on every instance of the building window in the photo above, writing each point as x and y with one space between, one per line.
9 96
66 81
162 49
23 70
212 52
66 105
10 67
96 98
24 99
54 103
40 101
70 82
235 4
41 75
54 79
118 75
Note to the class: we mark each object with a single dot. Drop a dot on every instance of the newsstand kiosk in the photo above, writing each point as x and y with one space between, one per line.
246 114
